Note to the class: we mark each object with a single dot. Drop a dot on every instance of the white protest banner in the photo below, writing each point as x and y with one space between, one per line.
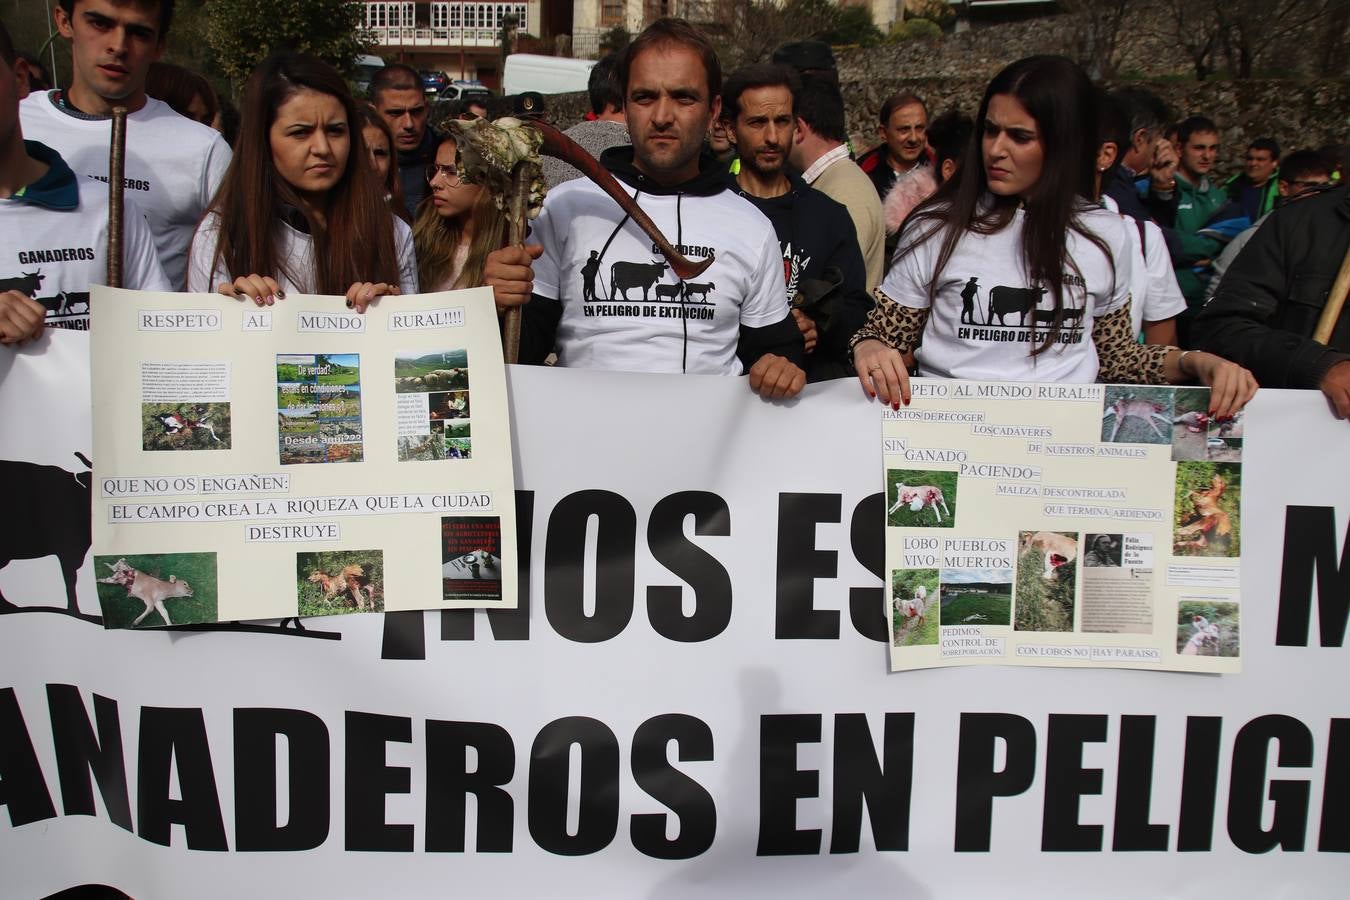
299 459
1069 525
691 701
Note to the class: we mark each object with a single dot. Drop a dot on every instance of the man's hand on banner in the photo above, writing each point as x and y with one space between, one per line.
21 318
775 377
1336 385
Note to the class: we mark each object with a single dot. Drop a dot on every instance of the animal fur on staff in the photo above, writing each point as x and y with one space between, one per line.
117 156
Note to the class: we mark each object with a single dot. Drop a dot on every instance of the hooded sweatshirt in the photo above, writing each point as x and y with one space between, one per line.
605 298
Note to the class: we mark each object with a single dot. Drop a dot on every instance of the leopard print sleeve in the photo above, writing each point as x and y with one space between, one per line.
1123 359
897 326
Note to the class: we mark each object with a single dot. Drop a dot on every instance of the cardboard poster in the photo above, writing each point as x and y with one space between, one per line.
298 460
1062 525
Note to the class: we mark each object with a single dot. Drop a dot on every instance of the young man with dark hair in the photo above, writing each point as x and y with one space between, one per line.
820 152
822 264
173 164
1301 174
949 136
54 230
604 128
396 91
1255 187
1188 206
640 316
903 130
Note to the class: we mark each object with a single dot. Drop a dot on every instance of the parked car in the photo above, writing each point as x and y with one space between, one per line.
434 82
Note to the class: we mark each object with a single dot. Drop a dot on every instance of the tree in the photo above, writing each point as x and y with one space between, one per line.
244 32
747 31
1095 35
1195 26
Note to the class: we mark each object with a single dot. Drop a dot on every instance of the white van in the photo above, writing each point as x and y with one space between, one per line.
366 67
545 74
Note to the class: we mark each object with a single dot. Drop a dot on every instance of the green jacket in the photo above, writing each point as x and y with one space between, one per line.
1195 205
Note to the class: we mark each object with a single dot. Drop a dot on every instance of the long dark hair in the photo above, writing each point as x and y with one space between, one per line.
393 185
355 240
1057 93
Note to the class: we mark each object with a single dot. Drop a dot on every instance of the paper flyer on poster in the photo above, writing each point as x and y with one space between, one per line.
299 460
1062 525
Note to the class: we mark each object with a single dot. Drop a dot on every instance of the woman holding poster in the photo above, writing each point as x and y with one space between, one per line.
1010 273
300 209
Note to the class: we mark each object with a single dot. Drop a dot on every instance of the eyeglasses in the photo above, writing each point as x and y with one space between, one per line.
449 173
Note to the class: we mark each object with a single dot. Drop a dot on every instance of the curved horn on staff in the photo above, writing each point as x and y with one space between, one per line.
560 146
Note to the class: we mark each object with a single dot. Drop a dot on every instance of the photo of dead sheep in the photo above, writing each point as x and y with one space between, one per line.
1047 575
915 594
1208 628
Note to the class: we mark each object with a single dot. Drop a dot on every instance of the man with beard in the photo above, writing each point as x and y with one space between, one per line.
173 164
642 318
822 264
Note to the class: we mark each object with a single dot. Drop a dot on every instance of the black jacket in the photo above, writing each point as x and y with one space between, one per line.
412 171
816 233
1264 312
540 317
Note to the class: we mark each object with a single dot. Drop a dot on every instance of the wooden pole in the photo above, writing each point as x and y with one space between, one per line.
116 184
517 214
1335 302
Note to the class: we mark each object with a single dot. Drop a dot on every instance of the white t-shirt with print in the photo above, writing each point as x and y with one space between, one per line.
297 249
624 310
1154 292
173 165
54 255
987 316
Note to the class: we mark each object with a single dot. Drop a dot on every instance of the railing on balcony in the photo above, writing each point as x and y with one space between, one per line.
396 24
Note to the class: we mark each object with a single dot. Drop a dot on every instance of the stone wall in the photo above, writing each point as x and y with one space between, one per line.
955 70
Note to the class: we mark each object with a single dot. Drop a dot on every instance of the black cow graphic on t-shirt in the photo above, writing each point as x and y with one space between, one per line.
1029 305
690 299
65 309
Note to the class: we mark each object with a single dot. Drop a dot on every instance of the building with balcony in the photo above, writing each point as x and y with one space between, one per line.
462 39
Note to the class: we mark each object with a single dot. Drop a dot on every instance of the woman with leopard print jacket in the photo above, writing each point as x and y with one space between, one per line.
1009 274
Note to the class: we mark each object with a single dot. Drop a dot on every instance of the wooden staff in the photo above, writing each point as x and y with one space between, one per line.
518 219
116 182
1335 302
560 146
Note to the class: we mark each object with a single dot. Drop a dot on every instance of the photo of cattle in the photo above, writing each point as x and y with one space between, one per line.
156 589
185 426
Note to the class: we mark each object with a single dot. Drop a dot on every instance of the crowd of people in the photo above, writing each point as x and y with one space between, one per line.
1059 232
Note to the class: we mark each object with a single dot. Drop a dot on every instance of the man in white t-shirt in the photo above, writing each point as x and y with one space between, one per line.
173 164
604 298
54 230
